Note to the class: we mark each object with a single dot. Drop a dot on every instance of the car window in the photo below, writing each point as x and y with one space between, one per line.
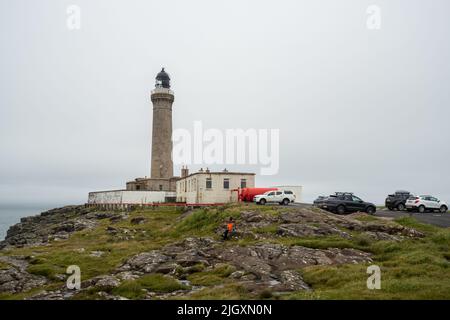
356 199
288 192
271 193
279 192
348 198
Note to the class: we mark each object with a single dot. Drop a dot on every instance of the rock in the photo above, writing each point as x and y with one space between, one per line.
292 281
55 224
16 279
106 283
146 262
107 296
237 274
251 216
119 217
138 220
112 230
96 254
128 275
306 230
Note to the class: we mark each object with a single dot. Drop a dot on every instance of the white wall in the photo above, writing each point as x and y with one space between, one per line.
193 188
128 197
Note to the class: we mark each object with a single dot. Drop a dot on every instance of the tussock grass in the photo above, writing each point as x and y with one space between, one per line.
213 277
411 269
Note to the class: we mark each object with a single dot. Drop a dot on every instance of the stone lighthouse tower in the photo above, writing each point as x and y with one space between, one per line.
162 99
161 175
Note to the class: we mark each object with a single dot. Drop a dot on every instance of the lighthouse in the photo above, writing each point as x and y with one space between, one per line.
162 98
161 170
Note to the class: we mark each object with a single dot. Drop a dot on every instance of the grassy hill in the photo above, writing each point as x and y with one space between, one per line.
169 253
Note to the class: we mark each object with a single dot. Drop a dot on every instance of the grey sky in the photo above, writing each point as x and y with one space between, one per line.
359 110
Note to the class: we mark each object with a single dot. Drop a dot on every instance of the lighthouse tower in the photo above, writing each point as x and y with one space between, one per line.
161 173
162 99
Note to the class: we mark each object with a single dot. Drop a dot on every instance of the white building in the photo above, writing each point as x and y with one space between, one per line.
207 187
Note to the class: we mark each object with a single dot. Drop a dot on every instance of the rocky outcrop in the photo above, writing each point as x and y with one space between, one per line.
264 265
16 279
56 224
302 222
261 262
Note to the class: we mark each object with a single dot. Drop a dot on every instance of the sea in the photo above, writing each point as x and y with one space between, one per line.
11 214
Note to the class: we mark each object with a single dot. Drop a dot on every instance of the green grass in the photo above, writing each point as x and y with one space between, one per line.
135 289
411 269
225 292
367 218
269 229
213 277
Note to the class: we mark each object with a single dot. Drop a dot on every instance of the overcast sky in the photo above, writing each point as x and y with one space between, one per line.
358 110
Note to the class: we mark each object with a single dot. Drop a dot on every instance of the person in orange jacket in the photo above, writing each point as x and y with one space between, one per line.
230 229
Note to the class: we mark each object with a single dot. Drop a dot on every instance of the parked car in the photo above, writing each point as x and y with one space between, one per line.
319 200
283 197
424 203
397 200
346 202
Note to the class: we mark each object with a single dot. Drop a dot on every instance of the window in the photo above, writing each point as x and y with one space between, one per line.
138 187
226 183
243 183
160 187
356 199
271 194
288 192
208 183
279 193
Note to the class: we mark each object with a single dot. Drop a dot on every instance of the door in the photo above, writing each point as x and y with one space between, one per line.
434 203
270 196
428 202
357 204
278 196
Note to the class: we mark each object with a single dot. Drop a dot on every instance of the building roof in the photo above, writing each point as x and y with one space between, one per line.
163 78
218 173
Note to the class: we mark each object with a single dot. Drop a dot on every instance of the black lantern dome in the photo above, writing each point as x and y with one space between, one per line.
163 79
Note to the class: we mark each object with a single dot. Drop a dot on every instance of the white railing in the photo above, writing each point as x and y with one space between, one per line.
162 90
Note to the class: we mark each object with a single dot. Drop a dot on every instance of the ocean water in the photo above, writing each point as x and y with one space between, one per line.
10 215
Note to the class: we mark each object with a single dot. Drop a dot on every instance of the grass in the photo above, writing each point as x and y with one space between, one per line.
213 277
411 269
136 289
224 292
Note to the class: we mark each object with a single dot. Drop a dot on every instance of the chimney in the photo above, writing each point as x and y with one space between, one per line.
184 171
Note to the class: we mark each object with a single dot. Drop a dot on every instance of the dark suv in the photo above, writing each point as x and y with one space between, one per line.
346 202
397 200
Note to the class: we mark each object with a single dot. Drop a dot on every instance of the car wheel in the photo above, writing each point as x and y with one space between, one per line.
285 201
421 209
443 209
400 207
370 210
262 201
340 209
